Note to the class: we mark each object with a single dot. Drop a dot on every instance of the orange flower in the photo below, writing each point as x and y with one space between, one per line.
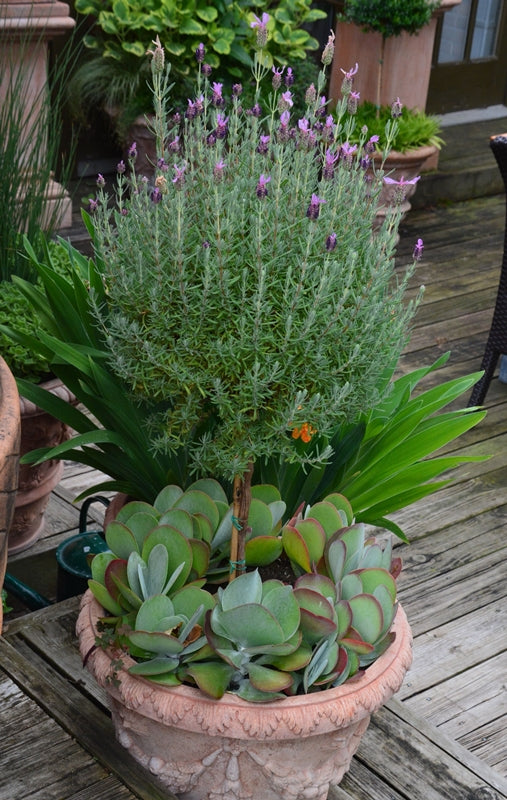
305 432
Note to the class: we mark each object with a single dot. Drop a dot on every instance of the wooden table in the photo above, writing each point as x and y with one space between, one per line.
57 740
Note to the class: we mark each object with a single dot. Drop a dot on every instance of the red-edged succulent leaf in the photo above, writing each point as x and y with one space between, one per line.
115 573
268 680
212 678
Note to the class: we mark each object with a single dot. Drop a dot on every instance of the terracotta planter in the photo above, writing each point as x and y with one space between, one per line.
407 62
204 749
9 459
36 482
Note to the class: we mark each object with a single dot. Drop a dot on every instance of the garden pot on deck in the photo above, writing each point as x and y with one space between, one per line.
36 482
9 459
205 749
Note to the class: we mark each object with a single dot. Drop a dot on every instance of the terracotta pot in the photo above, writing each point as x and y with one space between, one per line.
36 482
204 749
9 459
406 62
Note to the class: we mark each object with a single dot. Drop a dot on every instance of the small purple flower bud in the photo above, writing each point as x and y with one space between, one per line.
132 151
283 130
190 112
206 70
179 178
157 56
321 110
310 95
331 242
100 180
289 78
370 145
174 145
206 245
262 187
200 53
156 195
328 130
352 102
218 171
276 80
199 104
255 111
263 145
211 139
124 212
328 52
313 210
348 79
93 204
396 108
418 250
237 89
120 168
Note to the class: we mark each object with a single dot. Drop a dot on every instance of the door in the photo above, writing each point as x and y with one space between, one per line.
470 57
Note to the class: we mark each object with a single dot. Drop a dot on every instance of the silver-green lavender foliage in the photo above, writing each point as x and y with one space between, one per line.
247 293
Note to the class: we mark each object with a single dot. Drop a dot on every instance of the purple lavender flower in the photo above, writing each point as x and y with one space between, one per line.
285 101
327 132
262 28
331 242
418 250
206 69
396 108
328 52
174 145
330 160
370 145
156 195
347 152
132 151
199 104
321 110
262 186
255 111
283 130
120 168
237 89
263 145
218 170
222 126
313 210
348 79
93 204
200 53
179 178
100 180
216 97
289 78
124 212
310 95
190 112
400 187
276 81
352 102
211 139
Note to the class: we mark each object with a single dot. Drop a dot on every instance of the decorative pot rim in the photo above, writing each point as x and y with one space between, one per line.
302 715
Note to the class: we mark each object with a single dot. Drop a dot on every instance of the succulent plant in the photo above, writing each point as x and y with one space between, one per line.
261 639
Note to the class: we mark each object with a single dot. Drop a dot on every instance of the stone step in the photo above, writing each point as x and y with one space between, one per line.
466 168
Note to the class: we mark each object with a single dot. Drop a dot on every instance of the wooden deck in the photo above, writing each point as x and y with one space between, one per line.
447 729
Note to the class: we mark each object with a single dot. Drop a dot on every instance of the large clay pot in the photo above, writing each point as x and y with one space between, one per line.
204 749
9 459
36 482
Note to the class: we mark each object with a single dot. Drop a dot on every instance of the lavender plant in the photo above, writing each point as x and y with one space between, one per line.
246 294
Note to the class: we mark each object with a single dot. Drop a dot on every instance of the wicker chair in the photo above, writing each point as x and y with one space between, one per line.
496 344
